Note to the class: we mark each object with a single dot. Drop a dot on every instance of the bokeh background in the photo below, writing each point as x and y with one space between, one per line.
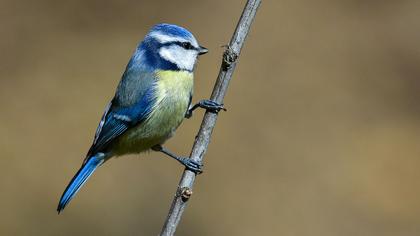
322 134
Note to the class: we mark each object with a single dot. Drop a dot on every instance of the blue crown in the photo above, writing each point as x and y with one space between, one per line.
172 30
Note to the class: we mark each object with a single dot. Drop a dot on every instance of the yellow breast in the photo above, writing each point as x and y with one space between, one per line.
173 91
175 85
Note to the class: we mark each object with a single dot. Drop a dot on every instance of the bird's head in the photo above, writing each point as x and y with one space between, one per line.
171 47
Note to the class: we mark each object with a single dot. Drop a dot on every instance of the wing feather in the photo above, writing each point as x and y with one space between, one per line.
117 119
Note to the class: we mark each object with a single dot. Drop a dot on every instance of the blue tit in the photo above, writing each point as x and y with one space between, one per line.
151 100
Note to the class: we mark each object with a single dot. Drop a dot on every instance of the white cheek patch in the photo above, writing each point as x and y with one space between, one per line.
184 59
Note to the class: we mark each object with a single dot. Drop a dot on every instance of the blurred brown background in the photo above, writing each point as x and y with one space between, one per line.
322 134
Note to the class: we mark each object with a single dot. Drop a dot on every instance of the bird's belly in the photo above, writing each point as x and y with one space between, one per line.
155 130
171 106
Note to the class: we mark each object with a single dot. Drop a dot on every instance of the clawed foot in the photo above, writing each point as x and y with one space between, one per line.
189 163
209 105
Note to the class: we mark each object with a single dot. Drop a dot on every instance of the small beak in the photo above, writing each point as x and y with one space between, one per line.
202 50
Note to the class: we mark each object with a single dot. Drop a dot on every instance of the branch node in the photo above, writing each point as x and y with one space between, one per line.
185 193
229 57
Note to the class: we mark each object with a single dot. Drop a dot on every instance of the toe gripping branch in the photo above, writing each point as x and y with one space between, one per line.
190 164
209 105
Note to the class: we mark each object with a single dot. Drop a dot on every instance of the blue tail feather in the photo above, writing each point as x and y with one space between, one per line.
79 179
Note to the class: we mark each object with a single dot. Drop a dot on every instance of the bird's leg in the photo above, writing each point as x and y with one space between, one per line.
209 105
189 163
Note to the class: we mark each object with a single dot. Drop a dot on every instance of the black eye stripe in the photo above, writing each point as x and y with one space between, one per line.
186 45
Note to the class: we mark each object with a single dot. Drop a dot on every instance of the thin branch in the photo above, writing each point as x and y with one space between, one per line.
202 139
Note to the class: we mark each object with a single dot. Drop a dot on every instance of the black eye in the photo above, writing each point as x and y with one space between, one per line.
187 45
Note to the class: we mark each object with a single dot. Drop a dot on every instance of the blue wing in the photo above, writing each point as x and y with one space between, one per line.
116 120
131 105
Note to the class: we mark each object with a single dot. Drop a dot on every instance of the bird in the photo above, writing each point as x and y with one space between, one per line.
151 100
